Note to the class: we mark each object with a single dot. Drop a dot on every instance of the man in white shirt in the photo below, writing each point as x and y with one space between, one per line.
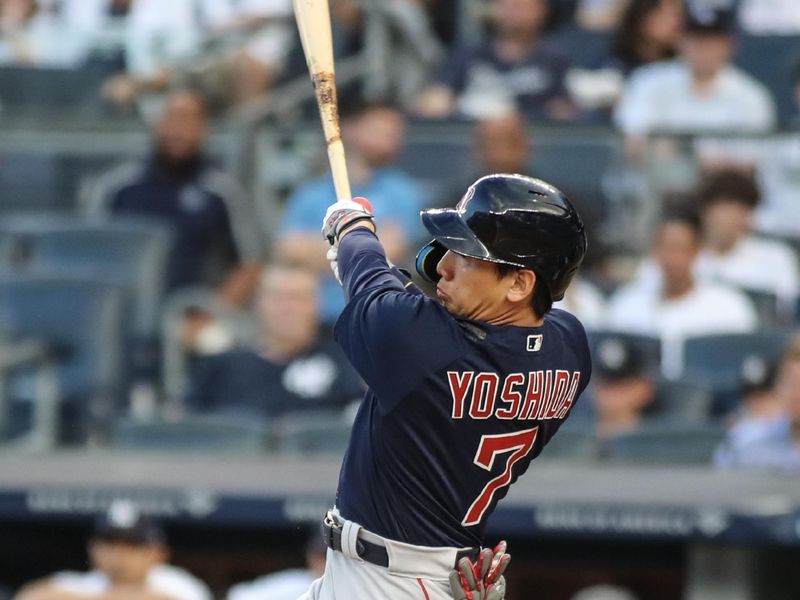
679 306
731 254
700 91
128 554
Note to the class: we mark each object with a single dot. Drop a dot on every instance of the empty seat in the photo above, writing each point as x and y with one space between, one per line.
573 444
667 445
323 432
683 401
716 361
130 251
213 434
83 323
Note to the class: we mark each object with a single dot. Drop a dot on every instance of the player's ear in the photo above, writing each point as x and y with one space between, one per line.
522 286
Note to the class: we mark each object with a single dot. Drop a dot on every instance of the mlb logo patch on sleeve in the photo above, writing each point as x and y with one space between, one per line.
535 342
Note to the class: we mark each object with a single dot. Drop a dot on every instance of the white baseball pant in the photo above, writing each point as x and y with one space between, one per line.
414 572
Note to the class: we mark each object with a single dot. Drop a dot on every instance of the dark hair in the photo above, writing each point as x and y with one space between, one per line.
729 185
353 106
683 216
628 35
541 302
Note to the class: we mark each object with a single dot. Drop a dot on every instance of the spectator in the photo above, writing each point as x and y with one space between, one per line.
763 439
32 35
286 585
623 392
217 242
700 91
759 403
674 304
232 49
500 144
373 134
511 68
128 555
295 367
648 32
731 253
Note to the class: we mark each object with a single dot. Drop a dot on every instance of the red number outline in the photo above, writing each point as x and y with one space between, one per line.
519 443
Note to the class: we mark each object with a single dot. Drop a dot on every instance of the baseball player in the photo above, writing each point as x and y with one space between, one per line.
464 390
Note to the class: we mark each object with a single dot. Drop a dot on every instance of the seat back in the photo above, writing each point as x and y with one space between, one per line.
191 434
667 445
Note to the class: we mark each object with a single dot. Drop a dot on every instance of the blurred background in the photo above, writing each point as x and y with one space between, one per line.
173 409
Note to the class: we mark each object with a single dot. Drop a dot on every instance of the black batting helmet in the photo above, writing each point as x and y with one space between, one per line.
514 220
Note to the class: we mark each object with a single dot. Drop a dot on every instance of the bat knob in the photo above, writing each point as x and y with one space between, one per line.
363 202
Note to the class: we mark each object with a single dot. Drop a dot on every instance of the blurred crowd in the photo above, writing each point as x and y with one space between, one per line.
221 323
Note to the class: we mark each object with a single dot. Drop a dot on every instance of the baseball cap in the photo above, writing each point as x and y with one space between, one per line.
124 521
709 16
615 358
757 374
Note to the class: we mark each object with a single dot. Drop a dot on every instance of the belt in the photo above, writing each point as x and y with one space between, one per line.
371 552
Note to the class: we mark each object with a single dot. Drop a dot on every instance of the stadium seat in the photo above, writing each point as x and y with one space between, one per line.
771 59
317 432
213 434
585 48
131 252
572 444
83 323
715 361
660 444
683 401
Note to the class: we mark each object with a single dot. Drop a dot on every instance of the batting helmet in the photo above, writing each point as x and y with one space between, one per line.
514 220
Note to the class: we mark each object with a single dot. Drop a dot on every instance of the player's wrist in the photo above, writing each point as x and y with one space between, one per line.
362 224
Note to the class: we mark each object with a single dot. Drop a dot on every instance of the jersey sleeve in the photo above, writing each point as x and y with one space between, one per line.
393 335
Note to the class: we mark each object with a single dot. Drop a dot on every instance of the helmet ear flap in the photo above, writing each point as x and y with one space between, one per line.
428 258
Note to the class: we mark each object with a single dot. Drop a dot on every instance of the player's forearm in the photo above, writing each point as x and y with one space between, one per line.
362 262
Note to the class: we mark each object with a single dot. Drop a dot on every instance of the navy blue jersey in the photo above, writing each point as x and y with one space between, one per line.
456 409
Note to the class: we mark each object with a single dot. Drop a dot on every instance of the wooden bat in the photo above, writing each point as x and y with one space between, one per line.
314 23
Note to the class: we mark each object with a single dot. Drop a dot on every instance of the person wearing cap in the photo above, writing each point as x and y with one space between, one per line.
623 390
768 436
700 91
128 553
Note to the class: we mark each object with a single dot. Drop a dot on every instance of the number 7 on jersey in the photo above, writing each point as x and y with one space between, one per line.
519 444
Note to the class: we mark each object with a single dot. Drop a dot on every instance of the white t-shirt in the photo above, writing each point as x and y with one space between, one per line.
706 309
286 585
660 97
162 579
770 16
584 301
754 264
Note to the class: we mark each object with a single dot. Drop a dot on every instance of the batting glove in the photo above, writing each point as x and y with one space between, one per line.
342 214
483 579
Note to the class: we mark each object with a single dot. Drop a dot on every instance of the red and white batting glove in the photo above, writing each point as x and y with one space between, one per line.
483 579
340 215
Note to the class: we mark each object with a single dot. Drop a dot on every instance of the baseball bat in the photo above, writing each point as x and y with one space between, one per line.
314 24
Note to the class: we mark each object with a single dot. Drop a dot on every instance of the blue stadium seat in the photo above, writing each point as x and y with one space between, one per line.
656 444
683 401
585 48
572 444
317 432
83 322
771 59
716 361
211 434
132 252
